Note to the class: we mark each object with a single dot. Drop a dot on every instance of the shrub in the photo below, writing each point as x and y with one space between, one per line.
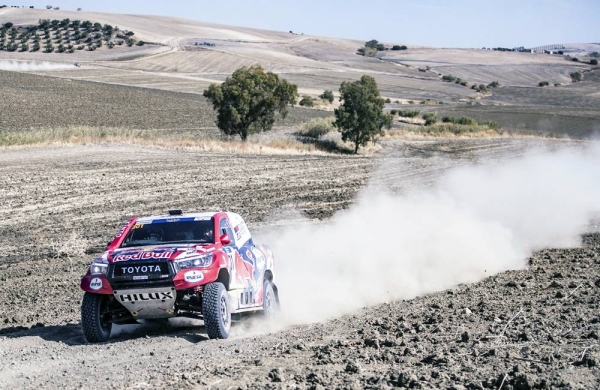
408 113
49 48
111 45
393 112
24 47
397 101
367 51
388 100
307 101
594 62
130 42
327 95
80 47
491 124
411 102
448 78
141 43
561 52
575 59
397 47
494 84
575 77
543 83
430 118
36 47
316 128
459 121
11 47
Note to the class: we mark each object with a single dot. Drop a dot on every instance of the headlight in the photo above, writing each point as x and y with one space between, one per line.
99 267
202 261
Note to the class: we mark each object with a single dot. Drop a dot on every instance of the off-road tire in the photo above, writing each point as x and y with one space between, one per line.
95 329
216 311
270 301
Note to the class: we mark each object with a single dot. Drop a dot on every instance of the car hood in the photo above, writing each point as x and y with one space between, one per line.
157 252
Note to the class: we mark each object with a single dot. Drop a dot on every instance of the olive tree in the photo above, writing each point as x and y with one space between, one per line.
360 117
249 99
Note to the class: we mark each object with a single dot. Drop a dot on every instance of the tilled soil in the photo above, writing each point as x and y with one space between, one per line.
32 101
535 328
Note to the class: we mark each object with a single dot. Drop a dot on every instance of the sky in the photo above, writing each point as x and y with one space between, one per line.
451 23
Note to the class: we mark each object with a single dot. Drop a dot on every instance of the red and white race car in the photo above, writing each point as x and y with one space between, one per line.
199 265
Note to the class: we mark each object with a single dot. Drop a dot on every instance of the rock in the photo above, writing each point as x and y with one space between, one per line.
464 337
467 311
372 343
522 382
276 375
353 368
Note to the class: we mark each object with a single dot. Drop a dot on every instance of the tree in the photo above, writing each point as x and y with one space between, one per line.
360 117
594 62
7 25
248 100
372 44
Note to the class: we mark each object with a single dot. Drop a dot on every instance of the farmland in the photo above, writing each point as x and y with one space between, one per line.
82 149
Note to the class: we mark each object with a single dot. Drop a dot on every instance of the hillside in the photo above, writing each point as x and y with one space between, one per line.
305 59
186 56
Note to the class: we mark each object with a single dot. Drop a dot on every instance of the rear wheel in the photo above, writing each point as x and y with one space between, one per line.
270 301
216 311
95 320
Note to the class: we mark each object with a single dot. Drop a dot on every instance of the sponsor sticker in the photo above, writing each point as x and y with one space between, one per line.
96 284
143 256
140 277
193 276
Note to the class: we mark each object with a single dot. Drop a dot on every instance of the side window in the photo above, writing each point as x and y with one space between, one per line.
224 228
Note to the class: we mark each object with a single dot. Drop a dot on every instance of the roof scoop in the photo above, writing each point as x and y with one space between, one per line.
175 212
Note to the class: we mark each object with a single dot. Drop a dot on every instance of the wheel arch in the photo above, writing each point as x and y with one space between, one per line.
223 277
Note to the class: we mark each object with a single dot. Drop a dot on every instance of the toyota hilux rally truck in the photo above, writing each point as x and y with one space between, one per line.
198 265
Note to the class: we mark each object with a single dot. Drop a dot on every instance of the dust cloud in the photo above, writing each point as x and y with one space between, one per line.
477 221
25 66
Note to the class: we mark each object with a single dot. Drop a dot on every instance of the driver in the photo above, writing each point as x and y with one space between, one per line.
155 234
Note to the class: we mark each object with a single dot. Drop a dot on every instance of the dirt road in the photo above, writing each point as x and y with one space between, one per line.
536 328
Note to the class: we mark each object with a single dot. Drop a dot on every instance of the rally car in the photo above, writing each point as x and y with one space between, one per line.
200 265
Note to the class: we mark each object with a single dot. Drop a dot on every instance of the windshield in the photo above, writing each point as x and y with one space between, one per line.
161 232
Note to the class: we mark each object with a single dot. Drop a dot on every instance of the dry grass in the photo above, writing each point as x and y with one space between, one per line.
81 135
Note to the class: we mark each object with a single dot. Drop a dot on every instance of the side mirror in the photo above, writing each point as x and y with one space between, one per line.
225 240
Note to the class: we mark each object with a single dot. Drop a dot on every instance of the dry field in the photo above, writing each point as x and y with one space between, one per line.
62 203
64 195
31 101
175 64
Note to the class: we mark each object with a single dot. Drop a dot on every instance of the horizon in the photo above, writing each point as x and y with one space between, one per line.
464 24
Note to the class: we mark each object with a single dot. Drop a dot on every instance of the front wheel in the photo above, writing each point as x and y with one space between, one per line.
95 320
270 301
216 311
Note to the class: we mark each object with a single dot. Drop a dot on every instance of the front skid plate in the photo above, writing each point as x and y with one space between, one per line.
147 303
